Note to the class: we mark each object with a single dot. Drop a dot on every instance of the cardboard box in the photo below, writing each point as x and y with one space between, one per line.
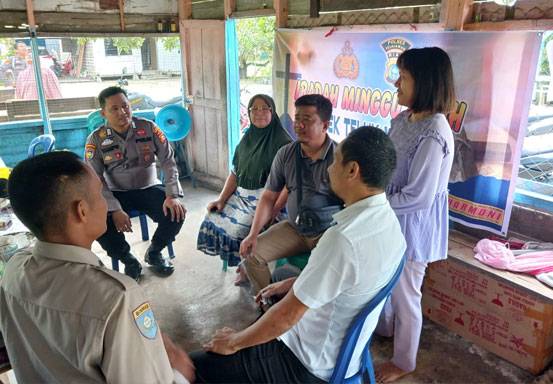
508 314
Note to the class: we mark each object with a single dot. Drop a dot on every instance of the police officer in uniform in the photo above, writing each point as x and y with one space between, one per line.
123 154
65 317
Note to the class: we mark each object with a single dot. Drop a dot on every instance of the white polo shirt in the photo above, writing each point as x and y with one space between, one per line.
353 260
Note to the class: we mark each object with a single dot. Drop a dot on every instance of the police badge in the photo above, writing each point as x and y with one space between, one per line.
145 321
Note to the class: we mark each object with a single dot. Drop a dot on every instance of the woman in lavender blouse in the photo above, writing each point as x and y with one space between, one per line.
418 194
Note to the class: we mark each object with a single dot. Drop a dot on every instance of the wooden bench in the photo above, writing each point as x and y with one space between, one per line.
29 109
507 313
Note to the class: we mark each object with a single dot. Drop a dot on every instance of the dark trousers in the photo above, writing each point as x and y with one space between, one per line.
149 201
271 362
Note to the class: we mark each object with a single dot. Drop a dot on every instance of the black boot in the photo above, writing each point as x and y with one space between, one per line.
133 269
160 264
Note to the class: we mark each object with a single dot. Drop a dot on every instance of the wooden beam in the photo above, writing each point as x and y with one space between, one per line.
122 15
455 13
314 8
31 14
230 8
281 11
87 23
263 12
357 5
511 25
184 9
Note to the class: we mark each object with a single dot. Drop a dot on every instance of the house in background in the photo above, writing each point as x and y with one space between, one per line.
102 59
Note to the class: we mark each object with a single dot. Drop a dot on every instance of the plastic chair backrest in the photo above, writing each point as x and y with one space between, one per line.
41 144
352 336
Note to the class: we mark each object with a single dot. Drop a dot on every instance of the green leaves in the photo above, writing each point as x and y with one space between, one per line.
255 41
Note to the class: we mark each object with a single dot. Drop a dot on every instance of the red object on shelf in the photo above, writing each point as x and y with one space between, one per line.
512 243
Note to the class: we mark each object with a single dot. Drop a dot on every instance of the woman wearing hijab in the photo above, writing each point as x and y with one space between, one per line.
229 217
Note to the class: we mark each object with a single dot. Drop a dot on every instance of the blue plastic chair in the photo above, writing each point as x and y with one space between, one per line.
352 336
41 144
145 236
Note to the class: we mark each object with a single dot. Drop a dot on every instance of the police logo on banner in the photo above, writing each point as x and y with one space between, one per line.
145 321
393 48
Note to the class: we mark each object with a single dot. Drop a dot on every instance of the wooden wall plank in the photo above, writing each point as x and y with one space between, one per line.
298 7
210 9
213 41
455 13
264 12
250 5
205 58
351 5
511 25
194 66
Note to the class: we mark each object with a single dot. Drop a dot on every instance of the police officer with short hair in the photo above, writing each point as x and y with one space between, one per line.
123 154
66 318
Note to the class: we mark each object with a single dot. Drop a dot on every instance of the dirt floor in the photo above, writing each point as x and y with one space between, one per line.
200 298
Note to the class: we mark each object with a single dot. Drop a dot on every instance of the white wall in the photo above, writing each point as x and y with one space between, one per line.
168 60
113 65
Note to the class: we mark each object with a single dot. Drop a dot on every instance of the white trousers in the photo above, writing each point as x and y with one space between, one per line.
402 316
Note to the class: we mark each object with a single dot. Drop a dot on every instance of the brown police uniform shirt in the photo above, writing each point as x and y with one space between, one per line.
67 319
127 163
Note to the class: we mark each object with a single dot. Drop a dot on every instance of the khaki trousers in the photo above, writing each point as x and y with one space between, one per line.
279 241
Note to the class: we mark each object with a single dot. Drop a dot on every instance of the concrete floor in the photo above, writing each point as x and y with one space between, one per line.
199 298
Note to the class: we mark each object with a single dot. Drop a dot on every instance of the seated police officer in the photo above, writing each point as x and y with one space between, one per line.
123 154
66 318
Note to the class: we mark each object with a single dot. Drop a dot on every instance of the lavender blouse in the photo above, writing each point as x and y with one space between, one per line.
418 189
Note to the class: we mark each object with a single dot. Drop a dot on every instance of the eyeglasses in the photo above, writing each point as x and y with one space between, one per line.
262 109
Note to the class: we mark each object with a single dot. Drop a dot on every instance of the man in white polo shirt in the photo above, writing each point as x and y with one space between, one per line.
298 339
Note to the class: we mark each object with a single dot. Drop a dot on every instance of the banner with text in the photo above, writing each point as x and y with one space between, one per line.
356 70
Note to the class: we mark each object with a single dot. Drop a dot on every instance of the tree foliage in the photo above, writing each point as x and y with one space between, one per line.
9 50
81 41
170 43
255 42
127 44
545 65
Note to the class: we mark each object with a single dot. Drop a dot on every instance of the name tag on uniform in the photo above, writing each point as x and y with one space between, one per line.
112 156
143 140
145 321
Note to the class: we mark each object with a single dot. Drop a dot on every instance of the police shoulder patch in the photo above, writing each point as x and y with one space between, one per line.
144 319
160 135
89 151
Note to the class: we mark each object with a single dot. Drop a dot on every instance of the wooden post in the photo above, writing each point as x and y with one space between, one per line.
314 8
30 14
185 9
122 14
455 13
185 13
281 11
230 7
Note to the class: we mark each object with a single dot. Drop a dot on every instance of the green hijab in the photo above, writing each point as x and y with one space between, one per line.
255 152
